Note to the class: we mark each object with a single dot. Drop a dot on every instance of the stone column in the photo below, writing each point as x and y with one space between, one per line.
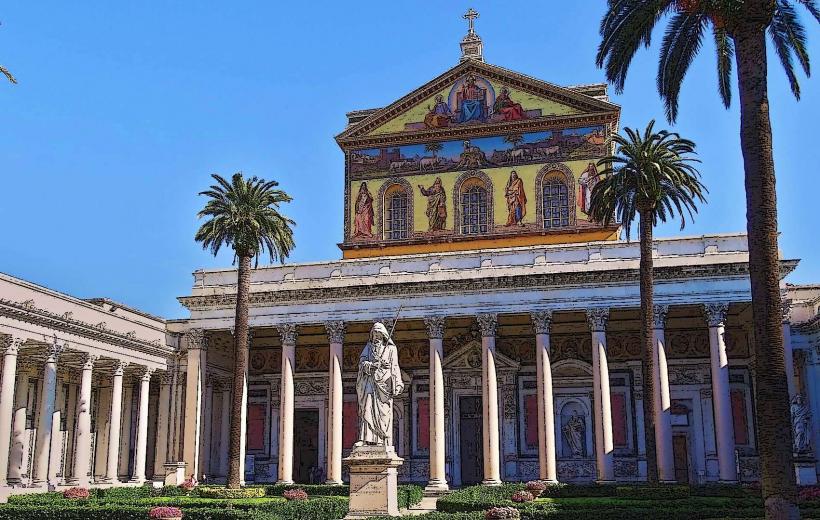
141 450
42 448
788 356
11 346
604 446
546 416
115 424
287 332
489 394
197 347
335 395
19 436
662 401
82 453
163 426
724 429
438 470
225 429
207 429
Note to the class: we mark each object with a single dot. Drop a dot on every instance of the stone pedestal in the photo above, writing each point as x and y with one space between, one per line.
174 473
373 481
805 469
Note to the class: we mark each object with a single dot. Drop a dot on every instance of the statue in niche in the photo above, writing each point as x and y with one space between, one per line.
436 205
363 223
586 182
516 200
378 382
801 424
574 431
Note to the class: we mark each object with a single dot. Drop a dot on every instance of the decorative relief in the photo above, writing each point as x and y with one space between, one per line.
541 321
571 346
659 313
519 349
335 331
626 467
622 346
715 313
689 375
287 333
196 339
435 327
575 469
488 323
313 386
597 317
749 468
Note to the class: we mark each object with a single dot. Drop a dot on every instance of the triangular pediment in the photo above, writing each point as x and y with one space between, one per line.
468 357
475 94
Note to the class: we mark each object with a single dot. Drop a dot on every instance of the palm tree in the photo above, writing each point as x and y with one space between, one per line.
4 71
435 148
514 139
651 175
244 215
739 29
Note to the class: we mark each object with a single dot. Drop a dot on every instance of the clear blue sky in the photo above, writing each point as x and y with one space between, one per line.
124 109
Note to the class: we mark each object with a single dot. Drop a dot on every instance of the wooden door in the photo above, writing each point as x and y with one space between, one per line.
471 440
680 451
306 447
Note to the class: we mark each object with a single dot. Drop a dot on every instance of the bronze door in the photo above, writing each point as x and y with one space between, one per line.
471 440
680 452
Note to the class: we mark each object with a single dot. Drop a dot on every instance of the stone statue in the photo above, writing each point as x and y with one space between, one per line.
801 424
378 382
574 432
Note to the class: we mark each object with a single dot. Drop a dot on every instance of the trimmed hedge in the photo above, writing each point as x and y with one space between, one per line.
313 490
119 512
652 492
223 492
410 495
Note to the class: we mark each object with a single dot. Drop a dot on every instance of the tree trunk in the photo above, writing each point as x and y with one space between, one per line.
647 362
774 435
240 370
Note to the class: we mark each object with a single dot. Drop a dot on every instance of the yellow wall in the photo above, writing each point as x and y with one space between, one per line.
499 178
528 102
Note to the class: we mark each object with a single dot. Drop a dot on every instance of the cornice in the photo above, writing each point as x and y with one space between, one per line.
27 312
808 326
426 287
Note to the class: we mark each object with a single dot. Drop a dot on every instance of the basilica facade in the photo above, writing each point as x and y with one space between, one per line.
466 232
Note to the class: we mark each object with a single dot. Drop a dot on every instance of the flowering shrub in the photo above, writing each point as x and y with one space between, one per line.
189 484
161 513
76 493
536 487
295 494
809 494
501 513
522 496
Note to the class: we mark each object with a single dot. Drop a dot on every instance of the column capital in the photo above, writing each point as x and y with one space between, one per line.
232 330
435 326
196 339
598 318
89 360
335 331
659 313
10 345
119 368
715 313
54 349
145 373
288 333
541 321
488 323
786 309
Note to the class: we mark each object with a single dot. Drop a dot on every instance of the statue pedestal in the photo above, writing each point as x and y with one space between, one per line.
373 481
805 469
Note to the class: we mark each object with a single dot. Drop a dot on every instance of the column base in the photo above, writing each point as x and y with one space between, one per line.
436 487
137 481
549 481
78 482
721 481
667 482
491 482
333 482
603 482
285 482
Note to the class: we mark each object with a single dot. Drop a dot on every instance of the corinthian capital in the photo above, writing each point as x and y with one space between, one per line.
435 326
488 323
787 309
715 313
54 349
10 345
659 313
196 339
89 360
288 333
541 321
335 331
597 318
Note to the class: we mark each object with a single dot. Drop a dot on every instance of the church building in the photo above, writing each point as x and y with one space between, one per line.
466 232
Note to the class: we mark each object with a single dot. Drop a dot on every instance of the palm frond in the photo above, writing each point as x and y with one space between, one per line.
789 38
725 53
5 72
811 6
681 44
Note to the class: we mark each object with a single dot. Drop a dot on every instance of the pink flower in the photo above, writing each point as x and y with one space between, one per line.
189 483
295 494
501 513
522 496
163 512
76 493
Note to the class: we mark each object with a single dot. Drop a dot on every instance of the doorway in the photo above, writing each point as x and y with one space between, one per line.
471 442
306 468
680 453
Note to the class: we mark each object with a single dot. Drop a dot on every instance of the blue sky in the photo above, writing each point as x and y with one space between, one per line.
124 109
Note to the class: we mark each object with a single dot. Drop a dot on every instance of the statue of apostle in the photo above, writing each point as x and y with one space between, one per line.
436 205
378 382
363 223
516 200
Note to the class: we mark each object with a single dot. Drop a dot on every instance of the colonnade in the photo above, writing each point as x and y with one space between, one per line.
13 408
597 319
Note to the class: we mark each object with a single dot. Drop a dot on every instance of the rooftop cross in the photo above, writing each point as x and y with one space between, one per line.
470 16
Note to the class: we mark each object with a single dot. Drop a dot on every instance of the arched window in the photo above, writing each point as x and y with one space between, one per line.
396 214
474 214
555 200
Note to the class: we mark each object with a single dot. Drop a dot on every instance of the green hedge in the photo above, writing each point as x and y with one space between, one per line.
223 492
652 492
561 490
410 495
119 512
313 490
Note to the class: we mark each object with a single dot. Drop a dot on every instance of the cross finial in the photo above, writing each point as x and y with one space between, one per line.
470 16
